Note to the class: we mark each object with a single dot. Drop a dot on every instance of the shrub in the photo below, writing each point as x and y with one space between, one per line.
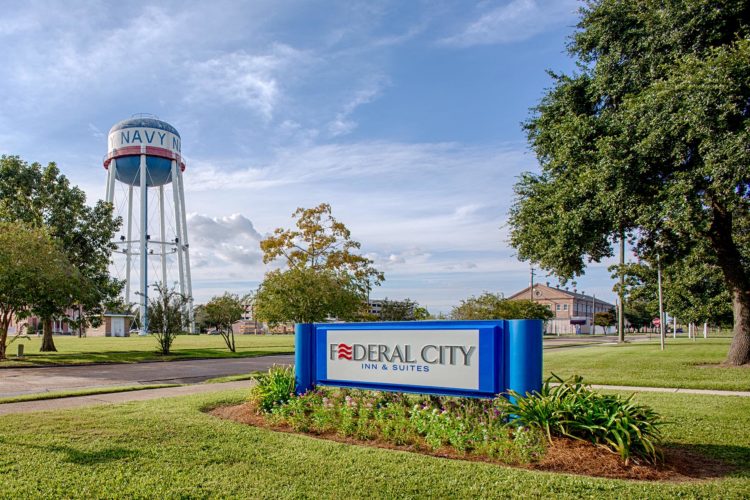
273 389
470 426
573 410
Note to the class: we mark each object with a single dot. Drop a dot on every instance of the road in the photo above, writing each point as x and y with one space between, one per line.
18 381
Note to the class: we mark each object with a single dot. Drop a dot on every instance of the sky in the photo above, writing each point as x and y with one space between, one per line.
404 116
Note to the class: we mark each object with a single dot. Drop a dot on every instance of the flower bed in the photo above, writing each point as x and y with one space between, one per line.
491 428
467 426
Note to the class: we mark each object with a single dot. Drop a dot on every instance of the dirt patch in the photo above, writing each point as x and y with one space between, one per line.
563 455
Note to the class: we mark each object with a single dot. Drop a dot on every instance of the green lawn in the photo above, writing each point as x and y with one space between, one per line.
169 449
682 364
74 350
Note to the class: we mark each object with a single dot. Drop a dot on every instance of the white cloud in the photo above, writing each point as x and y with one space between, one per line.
223 242
342 124
250 80
514 21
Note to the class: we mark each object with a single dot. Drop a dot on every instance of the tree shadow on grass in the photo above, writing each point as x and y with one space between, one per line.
707 461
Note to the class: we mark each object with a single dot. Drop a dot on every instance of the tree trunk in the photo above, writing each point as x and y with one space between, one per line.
735 276
739 351
48 343
3 340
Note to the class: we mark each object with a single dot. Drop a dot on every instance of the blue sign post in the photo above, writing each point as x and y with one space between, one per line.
454 358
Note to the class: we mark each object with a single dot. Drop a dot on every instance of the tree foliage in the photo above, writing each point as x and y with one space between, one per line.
43 198
321 242
32 266
222 312
495 306
325 277
401 310
166 315
649 138
306 295
693 290
606 318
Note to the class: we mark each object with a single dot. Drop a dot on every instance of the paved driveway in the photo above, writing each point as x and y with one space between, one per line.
16 381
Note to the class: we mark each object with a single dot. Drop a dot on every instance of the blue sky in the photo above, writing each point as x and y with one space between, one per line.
404 116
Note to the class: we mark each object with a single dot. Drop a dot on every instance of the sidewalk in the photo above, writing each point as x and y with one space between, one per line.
119 397
710 392
146 394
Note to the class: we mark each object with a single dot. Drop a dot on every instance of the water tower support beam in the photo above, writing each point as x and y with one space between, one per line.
144 243
106 186
163 239
188 279
178 225
111 177
129 247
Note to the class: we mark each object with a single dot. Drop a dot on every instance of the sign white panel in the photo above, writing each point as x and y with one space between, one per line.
144 136
439 358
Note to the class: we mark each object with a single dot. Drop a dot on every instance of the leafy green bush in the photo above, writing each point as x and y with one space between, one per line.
573 410
273 389
470 426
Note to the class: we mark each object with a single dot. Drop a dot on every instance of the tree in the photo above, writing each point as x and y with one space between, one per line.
649 140
222 312
495 306
31 266
321 242
306 295
421 313
43 198
399 310
693 289
604 319
325 278
201 318
640 313
166 316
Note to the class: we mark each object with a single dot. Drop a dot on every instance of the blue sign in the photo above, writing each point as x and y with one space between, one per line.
455 358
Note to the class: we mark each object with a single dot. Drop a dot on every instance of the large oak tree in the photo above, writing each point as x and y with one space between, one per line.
650 138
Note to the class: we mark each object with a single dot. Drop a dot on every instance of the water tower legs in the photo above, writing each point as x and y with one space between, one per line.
163 239
111 177
189 282
178 227
129 246
144 243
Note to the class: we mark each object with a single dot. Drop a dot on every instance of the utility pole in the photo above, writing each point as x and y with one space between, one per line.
531 290
621 316
593 314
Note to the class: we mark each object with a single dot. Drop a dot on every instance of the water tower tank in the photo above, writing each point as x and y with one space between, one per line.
158 140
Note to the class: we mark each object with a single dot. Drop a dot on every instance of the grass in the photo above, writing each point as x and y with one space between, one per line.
232 378
684 363
77 351
168 448
81 392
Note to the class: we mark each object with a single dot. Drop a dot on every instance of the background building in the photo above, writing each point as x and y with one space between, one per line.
574 312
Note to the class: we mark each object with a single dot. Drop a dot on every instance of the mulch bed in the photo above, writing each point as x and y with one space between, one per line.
563 455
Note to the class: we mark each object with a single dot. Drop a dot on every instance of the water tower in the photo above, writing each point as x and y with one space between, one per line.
143 154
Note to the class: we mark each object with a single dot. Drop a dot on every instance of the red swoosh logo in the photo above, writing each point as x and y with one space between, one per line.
345 351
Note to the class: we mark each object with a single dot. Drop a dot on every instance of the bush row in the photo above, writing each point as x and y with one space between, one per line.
509 432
